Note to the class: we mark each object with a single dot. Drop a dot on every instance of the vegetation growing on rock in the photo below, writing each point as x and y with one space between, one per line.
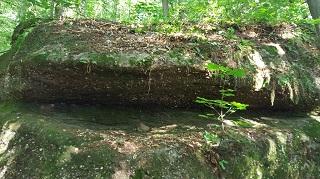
77 141
69 69
154 68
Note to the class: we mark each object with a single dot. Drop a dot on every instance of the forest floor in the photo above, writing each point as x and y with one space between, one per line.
52 136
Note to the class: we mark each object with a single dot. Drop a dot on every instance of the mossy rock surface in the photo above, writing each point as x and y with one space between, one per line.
61 141
86 61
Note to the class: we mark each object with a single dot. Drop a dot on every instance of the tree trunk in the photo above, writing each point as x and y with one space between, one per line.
58 12
314 7
165 7
52 8
115 10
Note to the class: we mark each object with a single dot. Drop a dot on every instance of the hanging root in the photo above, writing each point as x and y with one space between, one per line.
149 81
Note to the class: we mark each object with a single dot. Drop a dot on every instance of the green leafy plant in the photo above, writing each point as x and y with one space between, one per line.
211 138
223 164
222 107
230 33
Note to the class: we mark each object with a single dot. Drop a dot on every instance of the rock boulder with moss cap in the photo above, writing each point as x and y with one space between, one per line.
86 61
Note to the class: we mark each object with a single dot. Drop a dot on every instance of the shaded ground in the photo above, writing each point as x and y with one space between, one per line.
97 142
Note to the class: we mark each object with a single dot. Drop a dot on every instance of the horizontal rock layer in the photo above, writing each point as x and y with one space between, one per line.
99 62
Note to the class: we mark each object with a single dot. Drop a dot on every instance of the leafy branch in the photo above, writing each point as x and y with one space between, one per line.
220 106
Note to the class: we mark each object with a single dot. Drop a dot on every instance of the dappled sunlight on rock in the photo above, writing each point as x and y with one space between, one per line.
317 82
280 50
229 123
121 174
216 37
256 59
66 155
9 156
266 118
317 118
259 172
188 127
255 124
262 75
8 132
128 147
288 32
281 137
252 34
169 127
272 150
159 131
121 142
304 137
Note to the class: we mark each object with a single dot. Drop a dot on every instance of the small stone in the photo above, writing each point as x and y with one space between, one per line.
143 128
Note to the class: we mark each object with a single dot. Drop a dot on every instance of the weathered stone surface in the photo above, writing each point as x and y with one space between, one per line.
99 62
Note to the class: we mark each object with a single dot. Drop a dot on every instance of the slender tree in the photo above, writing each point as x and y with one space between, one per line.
314 7
165 7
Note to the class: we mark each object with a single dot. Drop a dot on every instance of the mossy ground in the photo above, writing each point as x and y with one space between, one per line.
284 148
41 142
91 142
104 142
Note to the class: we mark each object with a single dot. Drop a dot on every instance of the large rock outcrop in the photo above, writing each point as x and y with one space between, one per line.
99 62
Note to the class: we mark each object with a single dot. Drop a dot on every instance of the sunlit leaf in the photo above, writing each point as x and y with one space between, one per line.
211 137
239 106
237 73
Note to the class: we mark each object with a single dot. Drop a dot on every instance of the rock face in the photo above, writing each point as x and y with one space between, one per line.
100 62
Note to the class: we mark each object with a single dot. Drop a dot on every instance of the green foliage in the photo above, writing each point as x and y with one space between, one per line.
223 71
230 106
263 11
222 107
313 129
223 163
147 13
211 138
230 33
150 13
242 123
5 34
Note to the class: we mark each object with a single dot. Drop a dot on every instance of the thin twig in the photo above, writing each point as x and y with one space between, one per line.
213 108
225 114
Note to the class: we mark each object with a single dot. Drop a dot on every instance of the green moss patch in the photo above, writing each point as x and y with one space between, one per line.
97 142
